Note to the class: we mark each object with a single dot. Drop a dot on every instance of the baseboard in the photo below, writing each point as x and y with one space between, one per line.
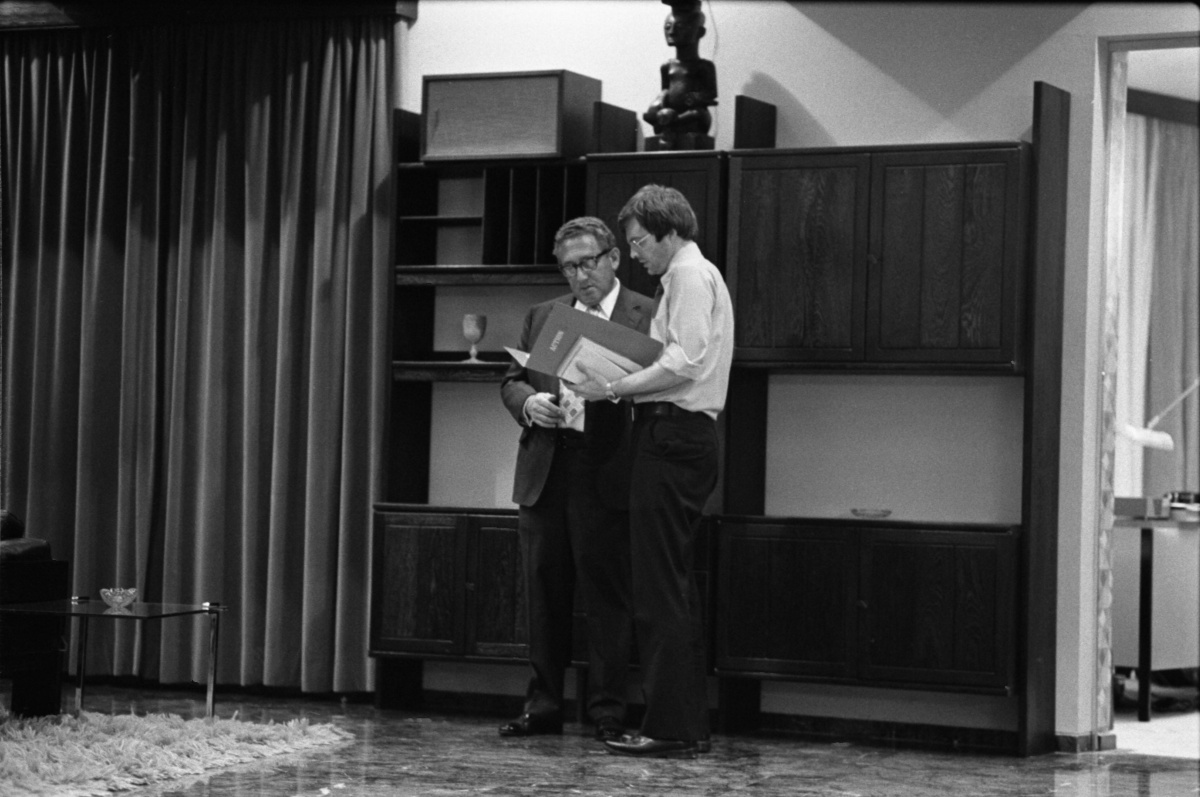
891 734
1086 743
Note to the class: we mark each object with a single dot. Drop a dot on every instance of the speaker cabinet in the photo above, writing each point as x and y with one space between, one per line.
507 115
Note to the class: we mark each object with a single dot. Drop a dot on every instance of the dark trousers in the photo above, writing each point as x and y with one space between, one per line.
570 538
674 471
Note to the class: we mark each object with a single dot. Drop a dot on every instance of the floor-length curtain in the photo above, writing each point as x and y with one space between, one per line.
1159 353
197 262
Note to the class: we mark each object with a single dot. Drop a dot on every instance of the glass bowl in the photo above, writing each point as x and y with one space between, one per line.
119 597
870 513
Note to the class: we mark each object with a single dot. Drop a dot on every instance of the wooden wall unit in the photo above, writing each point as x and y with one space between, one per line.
903 259
447 583
898 605
786 600
907 257
947 245
939 606
797 249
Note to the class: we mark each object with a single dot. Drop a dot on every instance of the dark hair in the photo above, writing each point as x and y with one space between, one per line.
660 210
586 225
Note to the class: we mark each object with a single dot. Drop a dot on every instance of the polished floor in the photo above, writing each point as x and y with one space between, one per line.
398 754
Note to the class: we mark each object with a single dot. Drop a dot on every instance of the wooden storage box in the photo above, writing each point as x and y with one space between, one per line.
507 115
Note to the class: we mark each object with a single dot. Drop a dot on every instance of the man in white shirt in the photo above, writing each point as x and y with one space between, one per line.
572 488
676 402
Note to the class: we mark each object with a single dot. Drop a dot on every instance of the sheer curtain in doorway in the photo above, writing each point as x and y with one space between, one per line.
1160 335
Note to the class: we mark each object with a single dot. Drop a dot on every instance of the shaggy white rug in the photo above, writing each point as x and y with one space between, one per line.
98 754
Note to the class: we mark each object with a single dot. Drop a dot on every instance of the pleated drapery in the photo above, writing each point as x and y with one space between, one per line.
1159 333
196 270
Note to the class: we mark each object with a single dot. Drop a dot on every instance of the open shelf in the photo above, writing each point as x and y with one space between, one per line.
489 214
478 275
447 371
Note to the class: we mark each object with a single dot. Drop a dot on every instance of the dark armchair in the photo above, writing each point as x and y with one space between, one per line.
31 646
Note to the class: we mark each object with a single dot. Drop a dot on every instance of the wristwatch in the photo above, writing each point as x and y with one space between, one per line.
609 394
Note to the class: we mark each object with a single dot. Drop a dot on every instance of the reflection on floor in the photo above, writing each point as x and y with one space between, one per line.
1174 727
403 754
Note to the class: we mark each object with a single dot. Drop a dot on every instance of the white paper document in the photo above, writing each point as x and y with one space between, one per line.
599 359
521 357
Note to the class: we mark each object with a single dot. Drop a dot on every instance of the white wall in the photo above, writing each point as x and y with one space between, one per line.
862 74
925 448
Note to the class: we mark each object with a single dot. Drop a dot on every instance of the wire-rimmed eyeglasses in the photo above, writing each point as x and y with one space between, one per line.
636 243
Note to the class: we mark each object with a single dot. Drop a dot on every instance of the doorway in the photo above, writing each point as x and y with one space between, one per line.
1161 66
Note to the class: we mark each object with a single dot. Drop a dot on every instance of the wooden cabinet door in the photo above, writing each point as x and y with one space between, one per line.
938 607
947 248
612 180
419 602
495 587
797 255
786 599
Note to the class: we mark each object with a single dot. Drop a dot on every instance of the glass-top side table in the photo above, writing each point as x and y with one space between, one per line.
82 609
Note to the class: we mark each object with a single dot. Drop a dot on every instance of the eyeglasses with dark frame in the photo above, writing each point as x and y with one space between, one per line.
584 266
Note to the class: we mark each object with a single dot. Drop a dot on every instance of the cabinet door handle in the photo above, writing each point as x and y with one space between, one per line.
862 604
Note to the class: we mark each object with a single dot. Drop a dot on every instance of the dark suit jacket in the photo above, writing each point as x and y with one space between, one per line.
605 424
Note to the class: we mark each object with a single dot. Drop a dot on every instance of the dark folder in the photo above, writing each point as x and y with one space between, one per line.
564 327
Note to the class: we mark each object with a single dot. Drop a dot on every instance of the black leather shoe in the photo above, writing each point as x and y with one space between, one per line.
645 747
531 725
609 729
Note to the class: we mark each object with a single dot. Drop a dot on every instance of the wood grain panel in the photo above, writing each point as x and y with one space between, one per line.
976 571
496 583
947 249
832 235
940 281
826 233
938 607
983 250
797 252
419 602
900 261
910 606
758 232
786 600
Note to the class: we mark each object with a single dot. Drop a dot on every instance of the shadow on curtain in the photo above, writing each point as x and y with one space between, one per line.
197 266
1159 336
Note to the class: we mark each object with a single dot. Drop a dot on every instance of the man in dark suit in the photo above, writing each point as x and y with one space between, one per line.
572 487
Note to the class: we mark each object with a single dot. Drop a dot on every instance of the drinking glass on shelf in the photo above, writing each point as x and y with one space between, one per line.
474 327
